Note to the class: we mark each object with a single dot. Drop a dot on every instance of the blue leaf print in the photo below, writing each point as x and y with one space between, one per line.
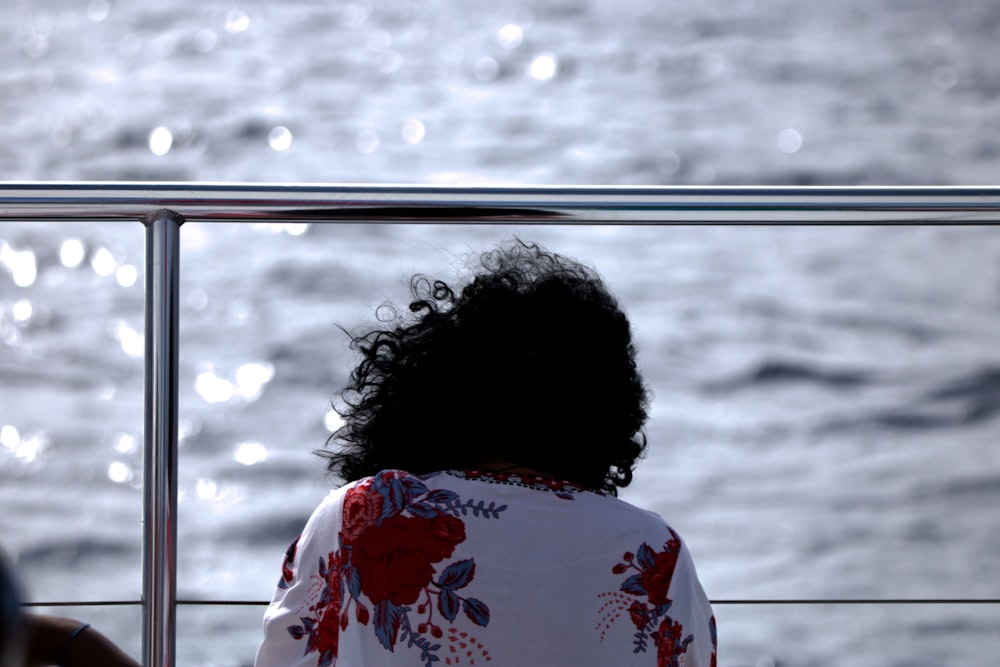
458 574
395 498
325 597
353 582
646 557
477 611
633 585
386 622
448 604
307 623
413 485
423 510
441 497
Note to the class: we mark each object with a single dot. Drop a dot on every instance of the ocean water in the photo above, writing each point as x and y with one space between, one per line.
827 400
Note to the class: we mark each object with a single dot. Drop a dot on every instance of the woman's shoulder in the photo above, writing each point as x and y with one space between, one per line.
474 493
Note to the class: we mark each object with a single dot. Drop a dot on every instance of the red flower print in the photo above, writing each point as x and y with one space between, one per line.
324 630
391 562
287 566
639 614
668 642
326 637
655 572
393 559
656 579
362 507
393 531
446 532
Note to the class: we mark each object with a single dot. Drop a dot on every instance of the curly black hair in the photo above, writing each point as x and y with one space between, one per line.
532 362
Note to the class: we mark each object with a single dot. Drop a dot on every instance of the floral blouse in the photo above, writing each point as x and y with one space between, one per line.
471 568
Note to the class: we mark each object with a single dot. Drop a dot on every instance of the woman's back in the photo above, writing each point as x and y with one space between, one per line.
465 568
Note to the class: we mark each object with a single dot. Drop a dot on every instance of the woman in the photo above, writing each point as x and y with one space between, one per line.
486 433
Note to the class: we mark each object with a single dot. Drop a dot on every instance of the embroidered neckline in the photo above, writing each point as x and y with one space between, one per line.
537 482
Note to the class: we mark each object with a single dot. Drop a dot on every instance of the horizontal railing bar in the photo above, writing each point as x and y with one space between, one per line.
762 601
843 601
547 205
85 603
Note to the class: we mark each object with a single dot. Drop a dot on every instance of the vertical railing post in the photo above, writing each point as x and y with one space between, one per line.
159 561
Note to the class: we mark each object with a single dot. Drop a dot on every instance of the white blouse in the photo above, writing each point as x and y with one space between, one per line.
470 568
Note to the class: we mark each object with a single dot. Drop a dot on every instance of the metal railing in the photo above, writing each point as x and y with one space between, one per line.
164 207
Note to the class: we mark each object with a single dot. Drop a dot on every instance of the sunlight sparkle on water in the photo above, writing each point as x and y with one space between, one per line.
21 310
413 131
250 453
103 262
126 275
280 138
187 428
160 141
290 228
132 342
9 437
212 388
789 141
510 36
241 312
126 443
544 67
333 421
221 497
71 253
251 379
237 21
119 472
205 488
20 263
30 448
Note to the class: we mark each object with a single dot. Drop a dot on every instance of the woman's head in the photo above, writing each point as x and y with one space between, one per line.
531 362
